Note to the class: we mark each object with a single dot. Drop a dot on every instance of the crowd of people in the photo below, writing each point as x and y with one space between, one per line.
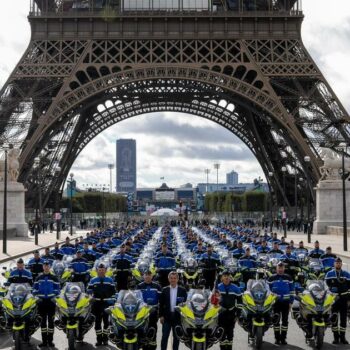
165 293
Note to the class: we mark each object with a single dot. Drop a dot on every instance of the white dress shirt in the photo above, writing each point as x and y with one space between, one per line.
173 298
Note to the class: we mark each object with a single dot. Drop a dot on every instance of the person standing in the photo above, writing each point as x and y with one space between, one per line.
103 290
80 267
230 298
282 285
151 293
210 262
338 282
20 274
35 265
122 264
170 297
45 288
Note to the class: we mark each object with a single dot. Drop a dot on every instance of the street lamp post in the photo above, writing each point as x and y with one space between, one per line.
307 161
295 194
38 210
284 213
71 175
217 167
103 207
345 224
271 218
110 167
4 225
207 171
58 214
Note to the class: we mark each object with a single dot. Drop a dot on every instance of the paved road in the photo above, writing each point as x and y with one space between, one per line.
295 340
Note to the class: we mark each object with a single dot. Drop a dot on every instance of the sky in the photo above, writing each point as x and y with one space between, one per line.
176 146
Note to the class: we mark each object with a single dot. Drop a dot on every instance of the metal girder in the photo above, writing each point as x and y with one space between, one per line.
277 100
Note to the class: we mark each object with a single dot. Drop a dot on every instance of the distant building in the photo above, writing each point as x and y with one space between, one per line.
232 185
188 185
126 165
165 196
232 178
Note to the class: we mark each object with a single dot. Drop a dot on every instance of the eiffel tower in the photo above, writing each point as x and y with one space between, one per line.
240 63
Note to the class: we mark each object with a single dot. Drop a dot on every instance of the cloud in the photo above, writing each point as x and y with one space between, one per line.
180 146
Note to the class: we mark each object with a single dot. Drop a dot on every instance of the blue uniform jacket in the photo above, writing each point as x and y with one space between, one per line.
20 276
46 286
283 286
80 266
150 292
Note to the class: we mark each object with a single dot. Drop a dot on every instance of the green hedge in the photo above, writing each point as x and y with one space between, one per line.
92 202
249 201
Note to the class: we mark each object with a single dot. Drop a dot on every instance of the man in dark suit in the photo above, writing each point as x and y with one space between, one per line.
171 296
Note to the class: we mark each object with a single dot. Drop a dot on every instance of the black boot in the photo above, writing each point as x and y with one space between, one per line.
277 337
44 340
283 338
343 339
50 340
336 338
105 339
99 340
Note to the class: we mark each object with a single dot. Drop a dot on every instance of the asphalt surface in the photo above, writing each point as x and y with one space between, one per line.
295 338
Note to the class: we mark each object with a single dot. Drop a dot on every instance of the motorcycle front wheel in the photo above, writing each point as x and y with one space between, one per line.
258 337
319 337
71 339
17 339
198 346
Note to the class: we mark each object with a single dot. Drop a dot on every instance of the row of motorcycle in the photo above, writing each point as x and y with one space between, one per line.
313 302
199 328
19 307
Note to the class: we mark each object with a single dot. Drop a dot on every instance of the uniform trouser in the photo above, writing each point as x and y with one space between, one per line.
209 276
168 326
46 309
153 320
227 321
281 308
340 308
98 310
122 278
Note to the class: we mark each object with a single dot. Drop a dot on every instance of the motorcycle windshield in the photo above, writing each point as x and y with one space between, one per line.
130 301
315 265
300 254
72 292
318 290
18 293
58 268
258 289
143 266
231 264
199 300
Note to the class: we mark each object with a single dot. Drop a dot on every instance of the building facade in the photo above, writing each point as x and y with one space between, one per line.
126 166
232 178
166 197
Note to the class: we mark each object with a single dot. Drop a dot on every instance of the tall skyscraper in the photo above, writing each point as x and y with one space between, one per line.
232 178
126 165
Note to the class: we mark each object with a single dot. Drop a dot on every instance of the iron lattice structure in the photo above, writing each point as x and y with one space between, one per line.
241 64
